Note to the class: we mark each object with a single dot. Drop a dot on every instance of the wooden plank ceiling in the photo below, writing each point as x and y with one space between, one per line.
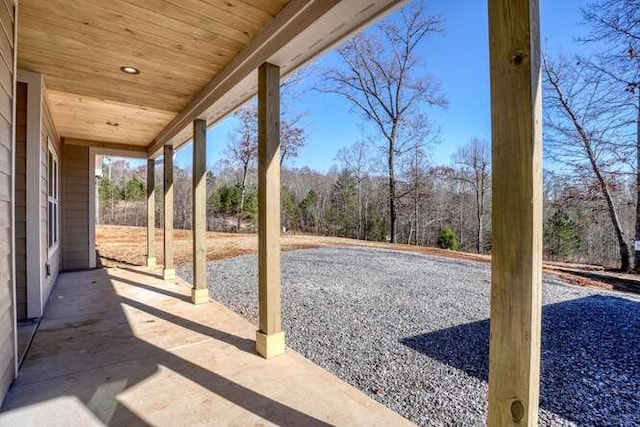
178 46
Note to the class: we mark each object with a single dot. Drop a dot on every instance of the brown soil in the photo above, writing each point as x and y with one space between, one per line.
127 245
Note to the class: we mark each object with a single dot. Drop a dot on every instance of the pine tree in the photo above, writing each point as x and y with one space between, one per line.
447 238
561 235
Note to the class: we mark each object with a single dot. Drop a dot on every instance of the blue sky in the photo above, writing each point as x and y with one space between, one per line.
458 57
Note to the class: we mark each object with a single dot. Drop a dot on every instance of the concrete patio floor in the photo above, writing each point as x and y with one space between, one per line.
123 347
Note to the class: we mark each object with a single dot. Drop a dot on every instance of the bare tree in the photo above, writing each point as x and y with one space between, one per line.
292 139
474 168
615 30
242 149
382 78
292 127
584 131
356 160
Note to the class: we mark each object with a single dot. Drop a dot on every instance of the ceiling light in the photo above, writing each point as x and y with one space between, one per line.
130 70
114 124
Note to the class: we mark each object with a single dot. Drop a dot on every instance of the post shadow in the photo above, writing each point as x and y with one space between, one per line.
140 271
590 357
243 344
156 289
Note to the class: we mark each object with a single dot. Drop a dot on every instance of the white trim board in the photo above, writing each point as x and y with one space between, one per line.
92 207
35 303
13 189
51 250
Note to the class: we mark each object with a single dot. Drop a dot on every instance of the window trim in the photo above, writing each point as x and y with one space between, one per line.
53 197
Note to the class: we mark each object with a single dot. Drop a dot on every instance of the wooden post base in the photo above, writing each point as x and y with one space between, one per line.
200 296
151 261
269 346
169 274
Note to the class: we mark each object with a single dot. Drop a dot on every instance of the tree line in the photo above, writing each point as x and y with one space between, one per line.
447 206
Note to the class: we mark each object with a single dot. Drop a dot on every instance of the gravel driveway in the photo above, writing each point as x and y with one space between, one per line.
411 331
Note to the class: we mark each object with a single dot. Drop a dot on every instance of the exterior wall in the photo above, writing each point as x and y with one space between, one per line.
7 278
51 257
76 208
21 201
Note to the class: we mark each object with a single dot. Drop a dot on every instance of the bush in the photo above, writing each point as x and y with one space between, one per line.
447 238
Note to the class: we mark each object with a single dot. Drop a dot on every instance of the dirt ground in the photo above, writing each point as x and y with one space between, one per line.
127 245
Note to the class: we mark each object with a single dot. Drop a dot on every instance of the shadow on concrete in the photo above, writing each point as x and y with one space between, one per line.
243 344
141 271
96 356
156 289
590 357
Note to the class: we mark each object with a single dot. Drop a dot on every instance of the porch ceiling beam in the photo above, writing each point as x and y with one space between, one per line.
301 31
294 17
516 271
135 150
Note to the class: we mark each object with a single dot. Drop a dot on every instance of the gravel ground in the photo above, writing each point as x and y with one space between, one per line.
411 331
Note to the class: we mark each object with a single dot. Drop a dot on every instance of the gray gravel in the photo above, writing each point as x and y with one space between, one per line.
411 331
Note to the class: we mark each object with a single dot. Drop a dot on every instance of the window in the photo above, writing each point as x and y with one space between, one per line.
53 193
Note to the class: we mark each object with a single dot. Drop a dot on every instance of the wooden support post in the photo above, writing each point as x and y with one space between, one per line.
169 273
270 337
199 292
151 212
516 275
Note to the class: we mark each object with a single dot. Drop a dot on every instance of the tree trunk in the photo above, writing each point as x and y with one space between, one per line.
415 211
460 231
622 244
242 195
359 231
416 194
392 188
637 253
126 206
624 247
479 220
480 212
366 218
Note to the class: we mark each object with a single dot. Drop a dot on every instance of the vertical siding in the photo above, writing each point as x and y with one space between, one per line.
75 207
49 135
21 201
7 286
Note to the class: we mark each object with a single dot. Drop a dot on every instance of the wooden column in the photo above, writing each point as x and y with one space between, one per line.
270 338
169 272
151 212
514 355
199 292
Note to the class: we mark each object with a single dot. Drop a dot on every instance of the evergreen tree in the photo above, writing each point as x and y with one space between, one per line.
561 236
447 238
344 205
226 199
289 208
307 210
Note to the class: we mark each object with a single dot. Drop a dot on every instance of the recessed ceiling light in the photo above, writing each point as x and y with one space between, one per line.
114 124
130 70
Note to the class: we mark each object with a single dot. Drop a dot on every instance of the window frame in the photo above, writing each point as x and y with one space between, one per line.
53 199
